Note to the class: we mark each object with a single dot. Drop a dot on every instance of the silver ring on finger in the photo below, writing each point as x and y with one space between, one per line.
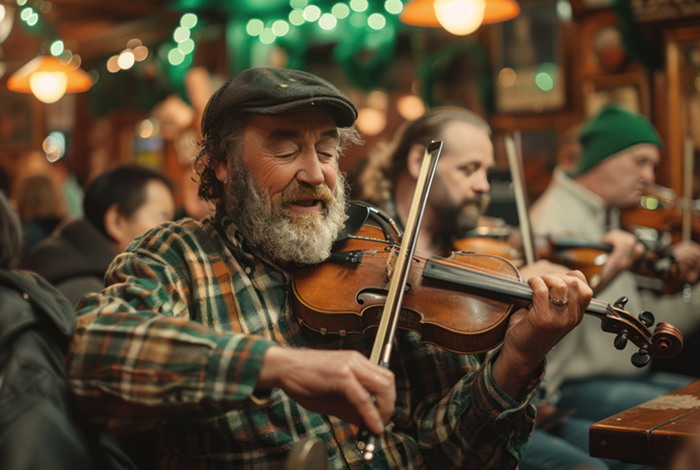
558 302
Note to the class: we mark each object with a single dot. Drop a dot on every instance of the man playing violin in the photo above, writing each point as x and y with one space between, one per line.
620 151
195 332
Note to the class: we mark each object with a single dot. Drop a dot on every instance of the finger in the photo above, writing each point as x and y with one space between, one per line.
382 387
577 274
361 400
558 291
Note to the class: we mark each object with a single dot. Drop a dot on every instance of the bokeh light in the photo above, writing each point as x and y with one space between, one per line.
254 27
267 36
393 6
133 43
140 53
186 47
328 21
544 81
371 121
57 48
126 59
359 5
507 77
181 34
410 107
280 28
340 10
113 64
312 13
376 21
296 17
189 20
175 57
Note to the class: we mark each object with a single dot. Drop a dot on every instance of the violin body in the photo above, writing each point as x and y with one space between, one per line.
431 308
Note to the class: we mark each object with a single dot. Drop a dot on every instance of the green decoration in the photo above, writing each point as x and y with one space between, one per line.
365 56
441 68
640 47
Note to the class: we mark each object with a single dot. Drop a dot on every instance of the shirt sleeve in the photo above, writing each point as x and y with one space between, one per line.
136 358
460 416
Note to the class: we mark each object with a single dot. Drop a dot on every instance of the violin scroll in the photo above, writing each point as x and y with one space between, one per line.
666 342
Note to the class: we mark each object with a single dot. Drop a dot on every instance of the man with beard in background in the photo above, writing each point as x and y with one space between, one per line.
196 332
460 190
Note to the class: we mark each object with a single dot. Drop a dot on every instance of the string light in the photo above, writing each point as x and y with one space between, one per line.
376 21
340 10
189 20
328 21
312 13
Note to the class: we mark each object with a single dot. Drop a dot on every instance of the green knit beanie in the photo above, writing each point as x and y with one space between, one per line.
612 130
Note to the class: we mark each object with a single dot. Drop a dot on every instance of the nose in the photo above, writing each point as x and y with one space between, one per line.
481 182
648 175
311 169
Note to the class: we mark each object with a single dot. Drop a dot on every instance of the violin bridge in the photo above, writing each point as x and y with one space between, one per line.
391 262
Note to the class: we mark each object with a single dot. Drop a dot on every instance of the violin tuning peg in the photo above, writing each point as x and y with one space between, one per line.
641 358
620 340
646 317
621 302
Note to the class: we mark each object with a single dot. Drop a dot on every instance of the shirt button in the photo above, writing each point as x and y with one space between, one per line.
248 270
25 296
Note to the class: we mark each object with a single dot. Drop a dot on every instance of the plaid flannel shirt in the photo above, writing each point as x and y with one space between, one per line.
177 339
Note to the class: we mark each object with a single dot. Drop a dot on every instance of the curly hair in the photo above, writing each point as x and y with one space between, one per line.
226 141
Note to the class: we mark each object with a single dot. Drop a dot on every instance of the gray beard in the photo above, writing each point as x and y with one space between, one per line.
305 239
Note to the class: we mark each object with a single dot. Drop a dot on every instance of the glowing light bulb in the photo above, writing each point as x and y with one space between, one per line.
48 87
460 17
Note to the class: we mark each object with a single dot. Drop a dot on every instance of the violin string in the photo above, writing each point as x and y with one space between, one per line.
518 287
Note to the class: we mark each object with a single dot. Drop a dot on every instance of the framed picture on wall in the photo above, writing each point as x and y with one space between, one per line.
20 121
628 90
528 62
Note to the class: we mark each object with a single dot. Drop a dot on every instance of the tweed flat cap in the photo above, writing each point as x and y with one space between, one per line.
274 91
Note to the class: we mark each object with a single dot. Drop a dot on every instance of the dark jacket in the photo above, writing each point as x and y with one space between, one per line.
40 426
74 259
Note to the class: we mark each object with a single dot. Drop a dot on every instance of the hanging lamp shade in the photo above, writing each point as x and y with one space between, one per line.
422 12
48 79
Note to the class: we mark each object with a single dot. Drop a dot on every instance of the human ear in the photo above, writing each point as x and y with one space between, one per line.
221 170
115 224
414 160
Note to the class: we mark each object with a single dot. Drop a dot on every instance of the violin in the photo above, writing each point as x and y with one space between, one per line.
486 290
662 218
587 257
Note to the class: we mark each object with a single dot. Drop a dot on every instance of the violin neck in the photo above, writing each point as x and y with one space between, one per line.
498 286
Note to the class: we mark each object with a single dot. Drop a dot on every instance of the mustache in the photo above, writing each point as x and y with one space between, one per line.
480 200
299 191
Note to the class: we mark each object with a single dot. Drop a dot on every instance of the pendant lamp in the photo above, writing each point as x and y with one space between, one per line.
48 79
459 17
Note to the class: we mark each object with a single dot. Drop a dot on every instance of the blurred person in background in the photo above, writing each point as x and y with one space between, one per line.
5 183
119 205
40 208
40 427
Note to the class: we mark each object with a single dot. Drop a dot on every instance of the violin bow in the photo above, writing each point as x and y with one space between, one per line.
517 173
381 349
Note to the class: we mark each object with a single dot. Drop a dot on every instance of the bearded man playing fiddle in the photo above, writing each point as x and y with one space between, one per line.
196 333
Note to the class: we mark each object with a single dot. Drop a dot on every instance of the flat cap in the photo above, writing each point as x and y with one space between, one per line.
275 91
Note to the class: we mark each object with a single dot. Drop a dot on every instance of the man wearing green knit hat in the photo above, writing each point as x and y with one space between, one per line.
619 153
613 130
